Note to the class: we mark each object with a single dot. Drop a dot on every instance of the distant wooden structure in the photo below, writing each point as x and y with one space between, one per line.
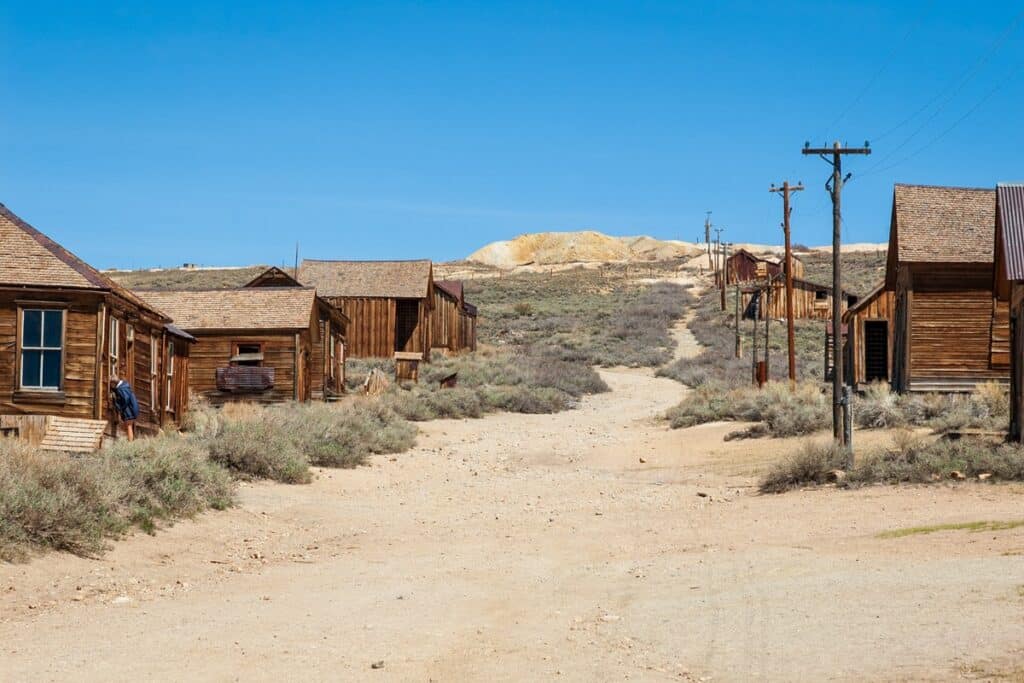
66 330
259 343
1009 278
811 301
951 326
744 267
330 348
869 340
452 320
388 304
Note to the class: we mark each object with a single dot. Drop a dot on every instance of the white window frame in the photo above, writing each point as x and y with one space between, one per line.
42 348
154 371
170 375
333 355
113 347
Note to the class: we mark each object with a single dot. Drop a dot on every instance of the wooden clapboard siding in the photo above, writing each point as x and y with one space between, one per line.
214 350
937 316
372 326
999 357
877 306
807 305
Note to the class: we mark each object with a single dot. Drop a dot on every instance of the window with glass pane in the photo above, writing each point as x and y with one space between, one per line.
113 344
170 375
42 338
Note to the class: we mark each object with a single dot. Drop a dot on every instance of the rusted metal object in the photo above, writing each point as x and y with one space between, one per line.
245 378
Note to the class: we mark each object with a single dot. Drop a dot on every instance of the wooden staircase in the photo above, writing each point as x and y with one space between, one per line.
72 435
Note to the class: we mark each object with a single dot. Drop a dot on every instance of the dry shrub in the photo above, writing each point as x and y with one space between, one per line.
784 412
811 465
256 448
55 501
910 459
878 407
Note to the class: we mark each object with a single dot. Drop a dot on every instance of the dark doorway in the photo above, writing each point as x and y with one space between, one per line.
406 317
876 350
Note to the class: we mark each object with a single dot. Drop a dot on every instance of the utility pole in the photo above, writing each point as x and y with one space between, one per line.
725 269
834 185
786 190
736 303
767 321
753 343
707 237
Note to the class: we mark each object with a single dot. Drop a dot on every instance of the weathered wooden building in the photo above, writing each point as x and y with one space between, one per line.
1009 278
66 330
744 266
258 343
452 320
951 326
388 304
810 301
329 343
869 340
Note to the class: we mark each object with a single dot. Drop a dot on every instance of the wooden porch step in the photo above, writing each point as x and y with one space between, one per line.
72 435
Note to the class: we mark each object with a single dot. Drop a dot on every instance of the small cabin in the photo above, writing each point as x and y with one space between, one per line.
951 326
869 341
388 304
259 344
453 321
744 266
811 301
66 330
1009 278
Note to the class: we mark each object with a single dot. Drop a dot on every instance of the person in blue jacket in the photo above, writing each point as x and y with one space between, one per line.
126 404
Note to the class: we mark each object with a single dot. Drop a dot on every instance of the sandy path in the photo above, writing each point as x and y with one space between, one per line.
517 547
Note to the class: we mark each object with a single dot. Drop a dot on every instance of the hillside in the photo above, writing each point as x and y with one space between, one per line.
553 248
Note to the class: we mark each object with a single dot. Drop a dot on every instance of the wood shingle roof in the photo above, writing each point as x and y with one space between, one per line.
30 258
252 308
376 279
943 224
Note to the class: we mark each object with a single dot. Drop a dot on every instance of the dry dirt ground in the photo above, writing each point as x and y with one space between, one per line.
591 545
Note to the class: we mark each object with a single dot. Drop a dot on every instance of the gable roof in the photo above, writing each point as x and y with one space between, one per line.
254 308
31 258
1010 203
934 224
273 277
379 279
452 288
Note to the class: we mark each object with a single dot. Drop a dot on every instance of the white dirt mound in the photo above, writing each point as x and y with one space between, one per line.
551 248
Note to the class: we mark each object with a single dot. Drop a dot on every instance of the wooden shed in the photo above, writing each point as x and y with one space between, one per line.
66 330
868 343
453 321
256 344
1009 278
388 304
744 266
951 327
329 342
811 301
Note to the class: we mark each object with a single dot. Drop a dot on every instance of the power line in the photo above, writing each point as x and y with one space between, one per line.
968 76
885 64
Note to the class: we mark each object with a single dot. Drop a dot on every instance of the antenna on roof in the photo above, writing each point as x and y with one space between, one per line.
295 273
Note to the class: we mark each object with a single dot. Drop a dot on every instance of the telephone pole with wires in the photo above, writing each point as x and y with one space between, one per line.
834 156
707 237
786 190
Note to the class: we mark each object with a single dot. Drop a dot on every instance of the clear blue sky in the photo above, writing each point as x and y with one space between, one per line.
145 134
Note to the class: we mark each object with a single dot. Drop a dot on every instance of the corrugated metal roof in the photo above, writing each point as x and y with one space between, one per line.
1010 203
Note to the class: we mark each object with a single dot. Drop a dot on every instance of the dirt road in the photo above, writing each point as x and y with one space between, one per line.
590 545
